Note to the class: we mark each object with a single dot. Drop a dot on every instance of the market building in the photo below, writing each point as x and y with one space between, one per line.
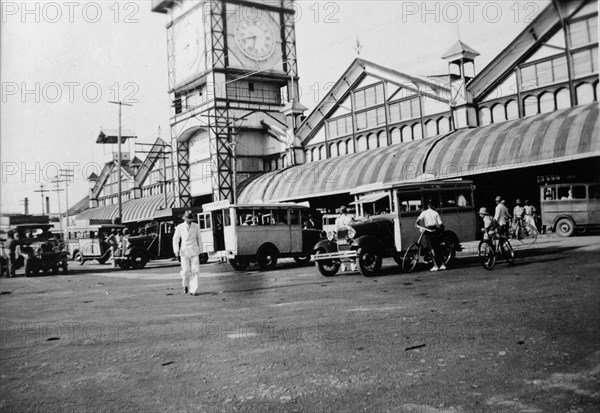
238 131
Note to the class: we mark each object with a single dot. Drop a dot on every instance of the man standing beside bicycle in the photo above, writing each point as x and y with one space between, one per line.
431 220
518 212
502 216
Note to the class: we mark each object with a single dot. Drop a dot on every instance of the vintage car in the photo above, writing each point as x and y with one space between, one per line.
86 243
40 249
136 253
366 243
570 207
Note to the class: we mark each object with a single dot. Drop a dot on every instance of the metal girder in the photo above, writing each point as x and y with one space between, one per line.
184 197
220 154
218 34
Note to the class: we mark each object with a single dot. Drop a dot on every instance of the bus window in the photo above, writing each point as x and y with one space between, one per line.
295 217
594 191
571 192
227 217
549 194
579 192
280 217
204 221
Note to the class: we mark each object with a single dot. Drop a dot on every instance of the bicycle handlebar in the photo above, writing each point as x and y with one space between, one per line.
425 229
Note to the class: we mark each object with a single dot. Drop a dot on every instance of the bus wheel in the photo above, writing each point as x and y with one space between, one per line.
565 227
240 263
266 257
327 268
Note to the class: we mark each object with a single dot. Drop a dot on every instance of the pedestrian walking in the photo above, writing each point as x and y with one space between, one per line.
530 213
430 219
188 234
518 212
344 220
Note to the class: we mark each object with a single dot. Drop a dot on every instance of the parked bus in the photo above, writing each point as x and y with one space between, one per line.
570 207
259 233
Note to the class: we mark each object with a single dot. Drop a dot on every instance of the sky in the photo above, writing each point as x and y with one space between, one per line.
62 62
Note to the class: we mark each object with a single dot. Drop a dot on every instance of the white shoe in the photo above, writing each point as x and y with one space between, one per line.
435 268
443 267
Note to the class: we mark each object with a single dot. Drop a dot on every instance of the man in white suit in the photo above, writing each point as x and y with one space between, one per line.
188 232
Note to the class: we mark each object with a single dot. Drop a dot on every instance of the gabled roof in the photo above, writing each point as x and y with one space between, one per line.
546 24
460 49
101 181
356 72
80 206
158 148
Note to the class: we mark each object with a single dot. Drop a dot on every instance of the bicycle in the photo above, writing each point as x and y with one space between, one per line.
522 231
489 248
417 250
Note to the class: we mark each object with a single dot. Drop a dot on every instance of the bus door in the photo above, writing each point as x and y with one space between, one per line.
218 230
205 223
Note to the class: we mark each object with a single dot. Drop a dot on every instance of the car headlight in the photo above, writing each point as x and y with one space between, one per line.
330 235
351 232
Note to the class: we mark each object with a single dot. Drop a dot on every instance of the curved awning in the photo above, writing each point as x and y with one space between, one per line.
543 139
134 210
558 136
399 162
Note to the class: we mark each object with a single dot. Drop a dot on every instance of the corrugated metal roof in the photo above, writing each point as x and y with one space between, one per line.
134 210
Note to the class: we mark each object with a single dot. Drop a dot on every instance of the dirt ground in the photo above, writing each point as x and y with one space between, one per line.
514 339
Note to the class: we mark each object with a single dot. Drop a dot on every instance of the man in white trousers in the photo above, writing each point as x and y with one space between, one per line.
188 232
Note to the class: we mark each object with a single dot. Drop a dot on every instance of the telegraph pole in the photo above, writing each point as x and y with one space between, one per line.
67 175
42 191
57 181
121 104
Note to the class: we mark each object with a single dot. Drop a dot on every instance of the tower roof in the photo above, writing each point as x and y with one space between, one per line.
460 50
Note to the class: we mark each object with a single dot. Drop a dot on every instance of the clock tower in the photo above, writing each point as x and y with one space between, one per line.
231 63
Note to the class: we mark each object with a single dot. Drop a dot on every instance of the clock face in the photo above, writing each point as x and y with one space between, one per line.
189 48
256 39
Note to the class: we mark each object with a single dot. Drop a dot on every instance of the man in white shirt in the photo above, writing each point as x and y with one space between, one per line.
344 219
431 220
502 216
188 232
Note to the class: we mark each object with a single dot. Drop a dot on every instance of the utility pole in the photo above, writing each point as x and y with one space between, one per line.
25 203
42 191
121 104
67 175
57 181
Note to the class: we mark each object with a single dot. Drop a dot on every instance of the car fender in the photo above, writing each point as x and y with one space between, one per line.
368 240
327 245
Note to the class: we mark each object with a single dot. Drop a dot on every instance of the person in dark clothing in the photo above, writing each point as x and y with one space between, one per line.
11 246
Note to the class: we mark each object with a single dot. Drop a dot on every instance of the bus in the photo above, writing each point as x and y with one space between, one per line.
259 233
570 207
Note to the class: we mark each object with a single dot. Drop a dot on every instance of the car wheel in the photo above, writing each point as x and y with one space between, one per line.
65 265
239 263
138 261
203 258
369 261
327 268
565 227
30 268
266 257
302 259
79 258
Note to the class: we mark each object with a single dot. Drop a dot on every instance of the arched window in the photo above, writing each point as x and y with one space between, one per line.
485 117
349 146
322 154
284 161
372 141
512 110
443 125
585 93
498 114
341 148
431 128
315 155
406 134
531 105
546 102
382 138
361 144
417 132
396 136
563 99
333 149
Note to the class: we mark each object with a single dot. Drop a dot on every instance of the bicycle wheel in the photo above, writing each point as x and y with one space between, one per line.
487 256
411 257
528 235
507 251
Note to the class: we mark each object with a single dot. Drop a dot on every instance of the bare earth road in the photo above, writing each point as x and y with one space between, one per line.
515 339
